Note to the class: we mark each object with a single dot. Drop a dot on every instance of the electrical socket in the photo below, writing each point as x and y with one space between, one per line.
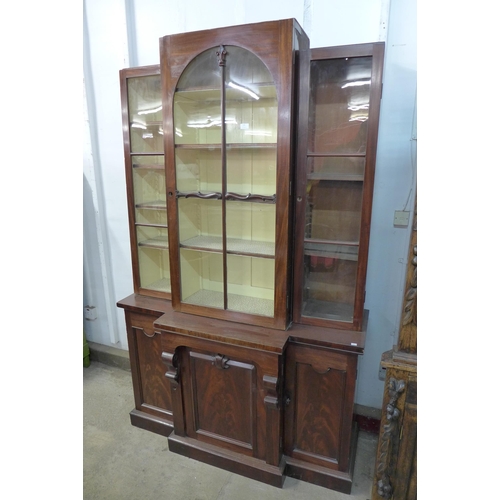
401 218
90 313
381 372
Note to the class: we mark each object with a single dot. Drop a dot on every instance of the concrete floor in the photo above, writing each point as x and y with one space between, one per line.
123 462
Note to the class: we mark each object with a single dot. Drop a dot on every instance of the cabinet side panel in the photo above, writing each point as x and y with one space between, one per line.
154 388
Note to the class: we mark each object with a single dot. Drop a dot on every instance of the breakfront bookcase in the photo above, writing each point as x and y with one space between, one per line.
249 208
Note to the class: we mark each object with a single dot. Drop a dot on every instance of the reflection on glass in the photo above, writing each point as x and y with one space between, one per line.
149 190
336 168
198 170
251 99
339 105
145 115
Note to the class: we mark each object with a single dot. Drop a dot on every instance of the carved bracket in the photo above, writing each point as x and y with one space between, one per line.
172 362
221 55
388 438
221 362
271 386
138 328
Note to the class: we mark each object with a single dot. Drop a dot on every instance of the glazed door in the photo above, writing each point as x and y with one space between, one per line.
336 184
225 143
145 171
230 181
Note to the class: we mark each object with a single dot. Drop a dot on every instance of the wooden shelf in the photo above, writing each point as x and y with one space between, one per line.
153 205
160 242
318 176
264 249
149 166
229 146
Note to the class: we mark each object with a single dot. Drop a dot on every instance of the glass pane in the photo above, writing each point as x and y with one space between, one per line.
200 223
146 125
199 170
339 105
202 278
250 227
336 168
333 210
251 170
250 285
329 283
149 190
251 99
154 269
197 101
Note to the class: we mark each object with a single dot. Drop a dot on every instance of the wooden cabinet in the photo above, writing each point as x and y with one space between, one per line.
319 399
395 475
257 212
334 188
226 388
230 107
153 402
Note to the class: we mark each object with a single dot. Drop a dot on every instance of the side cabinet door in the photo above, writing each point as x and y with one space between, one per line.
319 398
151 388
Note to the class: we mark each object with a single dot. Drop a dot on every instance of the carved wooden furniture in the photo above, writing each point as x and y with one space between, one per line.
153 402
396 461
268 172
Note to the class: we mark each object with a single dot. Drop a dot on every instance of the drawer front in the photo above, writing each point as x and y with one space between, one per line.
151 388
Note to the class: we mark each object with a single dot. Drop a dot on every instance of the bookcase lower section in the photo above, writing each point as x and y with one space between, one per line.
258 402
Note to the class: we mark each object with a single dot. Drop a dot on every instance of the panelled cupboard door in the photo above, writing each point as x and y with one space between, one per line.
319 398
229 118
152 393
335 185
145 176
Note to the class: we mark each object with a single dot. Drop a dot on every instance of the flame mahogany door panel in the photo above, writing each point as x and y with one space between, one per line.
319 399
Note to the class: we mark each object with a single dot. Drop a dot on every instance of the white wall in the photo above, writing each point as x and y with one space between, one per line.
123 33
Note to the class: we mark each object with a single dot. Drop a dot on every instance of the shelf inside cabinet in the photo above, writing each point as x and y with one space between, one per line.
328 310
239 303
153 205
158 242
148 166
252 92
233 245
162 285
231 145
333 250
318 176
